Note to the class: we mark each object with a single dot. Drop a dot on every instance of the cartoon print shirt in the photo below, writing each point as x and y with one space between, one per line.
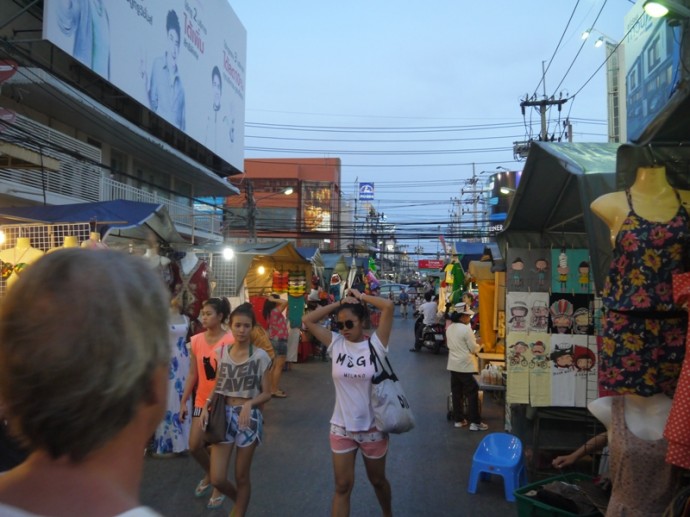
352 371
206 364
242 380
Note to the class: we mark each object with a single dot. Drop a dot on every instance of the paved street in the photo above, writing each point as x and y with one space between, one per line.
428 467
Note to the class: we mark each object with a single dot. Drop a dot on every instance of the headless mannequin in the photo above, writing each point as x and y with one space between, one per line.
154 259
70 241
188 262
22 253
653 198
94 242
645 417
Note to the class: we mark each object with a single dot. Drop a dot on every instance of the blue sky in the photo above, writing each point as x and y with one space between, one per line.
415 96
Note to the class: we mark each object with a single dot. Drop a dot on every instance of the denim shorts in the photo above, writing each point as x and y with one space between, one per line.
279 346
243 437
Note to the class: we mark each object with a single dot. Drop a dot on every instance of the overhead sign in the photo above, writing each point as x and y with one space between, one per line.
185 60
430 264
366 191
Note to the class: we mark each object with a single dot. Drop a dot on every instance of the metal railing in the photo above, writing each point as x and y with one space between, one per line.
81 178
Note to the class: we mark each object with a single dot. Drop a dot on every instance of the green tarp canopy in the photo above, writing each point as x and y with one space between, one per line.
551 204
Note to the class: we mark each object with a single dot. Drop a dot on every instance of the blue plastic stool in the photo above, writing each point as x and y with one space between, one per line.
500 454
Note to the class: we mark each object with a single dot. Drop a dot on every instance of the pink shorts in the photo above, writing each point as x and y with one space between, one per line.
373 443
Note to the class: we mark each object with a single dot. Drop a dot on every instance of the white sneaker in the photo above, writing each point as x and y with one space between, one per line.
479 427
460 424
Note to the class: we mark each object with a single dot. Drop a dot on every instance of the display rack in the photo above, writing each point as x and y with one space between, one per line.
224 273
44 237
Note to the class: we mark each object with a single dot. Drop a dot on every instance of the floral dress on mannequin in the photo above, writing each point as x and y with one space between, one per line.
172 435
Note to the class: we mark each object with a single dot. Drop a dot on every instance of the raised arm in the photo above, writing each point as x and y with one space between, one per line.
312 318
387 308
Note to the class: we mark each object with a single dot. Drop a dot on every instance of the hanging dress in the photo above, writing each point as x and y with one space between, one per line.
643 343
643 484
172 435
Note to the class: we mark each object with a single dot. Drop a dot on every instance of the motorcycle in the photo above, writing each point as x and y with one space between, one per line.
432 337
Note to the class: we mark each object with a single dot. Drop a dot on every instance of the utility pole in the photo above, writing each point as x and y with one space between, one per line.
251 211
543 105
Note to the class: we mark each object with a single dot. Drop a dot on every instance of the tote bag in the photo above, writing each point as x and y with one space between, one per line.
392 413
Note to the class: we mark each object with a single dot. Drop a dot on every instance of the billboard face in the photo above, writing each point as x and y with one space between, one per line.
652 60
185 60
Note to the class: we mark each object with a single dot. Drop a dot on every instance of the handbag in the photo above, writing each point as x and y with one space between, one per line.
217 424
392 413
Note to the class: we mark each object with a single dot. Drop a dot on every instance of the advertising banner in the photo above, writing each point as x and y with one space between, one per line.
430 264
652 61
185 60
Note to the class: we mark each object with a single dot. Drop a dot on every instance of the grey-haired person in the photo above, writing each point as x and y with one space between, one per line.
83 382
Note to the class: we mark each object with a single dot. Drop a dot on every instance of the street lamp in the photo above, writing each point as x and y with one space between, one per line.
612 89
506 191
659 8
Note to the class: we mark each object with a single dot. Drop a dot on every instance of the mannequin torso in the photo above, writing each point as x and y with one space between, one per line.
21 255
653 199
94 242
69 242
645 417
188 262
154 259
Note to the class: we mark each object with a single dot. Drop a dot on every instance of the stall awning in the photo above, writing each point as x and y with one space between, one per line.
551 204
114 220
468 251
280 255
335 263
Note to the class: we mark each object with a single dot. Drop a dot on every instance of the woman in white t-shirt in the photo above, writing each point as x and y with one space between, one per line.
352 423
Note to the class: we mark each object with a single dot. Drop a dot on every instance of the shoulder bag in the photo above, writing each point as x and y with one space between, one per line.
392 413
217 424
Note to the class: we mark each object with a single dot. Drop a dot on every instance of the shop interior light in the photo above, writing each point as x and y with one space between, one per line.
3 238
228 253
659 8
261 270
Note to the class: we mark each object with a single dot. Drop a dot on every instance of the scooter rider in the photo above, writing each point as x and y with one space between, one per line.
429 311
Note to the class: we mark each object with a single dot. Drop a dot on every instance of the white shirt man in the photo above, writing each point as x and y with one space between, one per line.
430 311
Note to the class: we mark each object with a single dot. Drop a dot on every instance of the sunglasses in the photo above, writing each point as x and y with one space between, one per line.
345 324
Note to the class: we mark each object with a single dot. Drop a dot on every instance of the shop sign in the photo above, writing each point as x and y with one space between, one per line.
366 191
430 264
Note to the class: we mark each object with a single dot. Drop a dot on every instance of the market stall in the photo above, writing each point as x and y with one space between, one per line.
556 255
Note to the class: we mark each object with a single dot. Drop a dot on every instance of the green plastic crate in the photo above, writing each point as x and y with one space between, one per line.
531 507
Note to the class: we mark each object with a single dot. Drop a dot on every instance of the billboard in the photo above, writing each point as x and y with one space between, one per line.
652 73
185 60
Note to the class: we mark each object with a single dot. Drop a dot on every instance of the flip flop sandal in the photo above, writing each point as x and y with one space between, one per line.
279 394
201 488
215 502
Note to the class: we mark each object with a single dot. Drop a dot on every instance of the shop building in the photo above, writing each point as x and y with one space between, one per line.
295 199
87 120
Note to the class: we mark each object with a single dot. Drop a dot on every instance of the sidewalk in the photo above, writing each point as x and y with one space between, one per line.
428 468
